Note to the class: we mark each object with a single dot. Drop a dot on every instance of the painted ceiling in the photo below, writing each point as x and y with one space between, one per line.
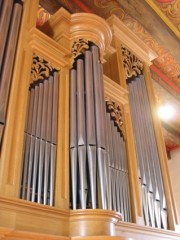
157 23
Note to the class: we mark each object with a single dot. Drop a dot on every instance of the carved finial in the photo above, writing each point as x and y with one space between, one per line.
79 46
116 114
40 68
133 66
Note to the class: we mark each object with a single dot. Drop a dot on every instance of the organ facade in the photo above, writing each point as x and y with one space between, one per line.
82 153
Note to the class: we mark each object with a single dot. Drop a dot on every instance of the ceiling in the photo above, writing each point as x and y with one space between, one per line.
157 23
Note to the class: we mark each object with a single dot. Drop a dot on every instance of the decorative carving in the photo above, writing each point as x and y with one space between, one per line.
116 114
42 16
79 46
40 68
133 66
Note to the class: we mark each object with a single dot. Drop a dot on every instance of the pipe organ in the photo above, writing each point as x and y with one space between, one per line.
40 137
152 190
10 20
81 153
118 169
98 156
153 197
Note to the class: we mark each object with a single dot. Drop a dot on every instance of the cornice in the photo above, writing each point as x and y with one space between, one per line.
114 91
43 44
130 40
88 26
93 28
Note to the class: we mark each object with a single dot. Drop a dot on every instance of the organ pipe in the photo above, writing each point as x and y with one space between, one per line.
10 19
40 141
97 148
153 196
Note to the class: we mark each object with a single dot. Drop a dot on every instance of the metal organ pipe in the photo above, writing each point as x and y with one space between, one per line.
73 136
81 133
90 126
10 19
5 18
97 151
40 142
119 181
154 203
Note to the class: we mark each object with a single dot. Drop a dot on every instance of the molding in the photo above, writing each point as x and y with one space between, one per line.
93 222
23 206
51 51
114 91
130 40
55 23
79 26
27 219
20 219
8 233
94 28
135 231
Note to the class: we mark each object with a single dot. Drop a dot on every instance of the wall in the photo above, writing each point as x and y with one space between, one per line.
174 169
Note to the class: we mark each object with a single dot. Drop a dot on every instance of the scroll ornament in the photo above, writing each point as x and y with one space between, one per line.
79 47
40 68
133 66
116 114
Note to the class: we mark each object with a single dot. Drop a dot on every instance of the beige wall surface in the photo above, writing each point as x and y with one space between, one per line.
174 169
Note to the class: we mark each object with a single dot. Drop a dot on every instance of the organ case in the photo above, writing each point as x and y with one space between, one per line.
96 172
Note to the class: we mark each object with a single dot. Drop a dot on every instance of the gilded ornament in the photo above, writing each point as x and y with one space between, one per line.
116 114
40 68
79 47
133 66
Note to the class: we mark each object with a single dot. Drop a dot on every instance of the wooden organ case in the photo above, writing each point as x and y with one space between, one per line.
82 154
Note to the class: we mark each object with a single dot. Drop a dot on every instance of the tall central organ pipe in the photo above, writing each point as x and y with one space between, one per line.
87 132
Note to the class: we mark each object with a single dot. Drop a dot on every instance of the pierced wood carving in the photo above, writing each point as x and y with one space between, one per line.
116 114
133 66
40 68
79 46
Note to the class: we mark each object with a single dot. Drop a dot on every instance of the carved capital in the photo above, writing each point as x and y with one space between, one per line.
40 68
79 46
132 65
116 114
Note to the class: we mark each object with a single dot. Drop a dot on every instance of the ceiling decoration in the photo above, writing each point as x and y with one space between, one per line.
169 12
164 1
172 11
42 16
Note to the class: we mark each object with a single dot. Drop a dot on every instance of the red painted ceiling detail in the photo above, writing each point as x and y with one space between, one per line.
82 6
165 78
164 1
